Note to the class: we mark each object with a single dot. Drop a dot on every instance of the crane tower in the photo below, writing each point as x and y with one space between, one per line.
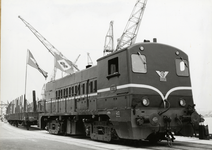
109 41
89 61
130 32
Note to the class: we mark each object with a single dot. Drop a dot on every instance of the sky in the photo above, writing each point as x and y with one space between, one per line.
78 27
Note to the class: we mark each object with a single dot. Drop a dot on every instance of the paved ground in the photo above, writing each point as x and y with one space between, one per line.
13 138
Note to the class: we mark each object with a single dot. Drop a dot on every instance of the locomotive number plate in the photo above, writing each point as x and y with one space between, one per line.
113 88
118 114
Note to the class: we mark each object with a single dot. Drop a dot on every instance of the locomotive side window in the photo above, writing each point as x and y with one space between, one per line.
83 88
139 63
95 86
79 89
87 87
75 90
91 87
113 66
61 94
182 67
69 91
72 89
66 92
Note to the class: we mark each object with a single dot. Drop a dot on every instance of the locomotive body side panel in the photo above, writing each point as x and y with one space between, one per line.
113 72
72 93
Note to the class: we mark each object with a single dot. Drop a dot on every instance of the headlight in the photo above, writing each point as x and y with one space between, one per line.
145 101
182 102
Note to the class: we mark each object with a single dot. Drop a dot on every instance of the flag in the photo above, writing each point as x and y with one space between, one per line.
63 64
32 62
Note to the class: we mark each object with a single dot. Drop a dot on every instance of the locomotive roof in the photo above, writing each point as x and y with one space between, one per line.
141 43
116 52
76 73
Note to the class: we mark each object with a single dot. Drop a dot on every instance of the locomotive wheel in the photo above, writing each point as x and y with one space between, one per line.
27 125
53 127
16 123
154 140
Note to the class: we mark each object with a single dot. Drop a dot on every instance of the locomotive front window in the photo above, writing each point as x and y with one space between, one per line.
139 63
182 67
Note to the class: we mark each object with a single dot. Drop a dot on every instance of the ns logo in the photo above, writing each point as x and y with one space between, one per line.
162 75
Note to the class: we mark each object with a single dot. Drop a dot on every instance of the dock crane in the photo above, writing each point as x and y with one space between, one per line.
130 32
75 62
77 59
89 61
61 62
109 41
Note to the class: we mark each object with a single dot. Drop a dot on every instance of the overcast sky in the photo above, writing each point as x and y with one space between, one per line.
79 26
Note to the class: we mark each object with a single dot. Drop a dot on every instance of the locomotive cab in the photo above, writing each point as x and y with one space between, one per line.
146 92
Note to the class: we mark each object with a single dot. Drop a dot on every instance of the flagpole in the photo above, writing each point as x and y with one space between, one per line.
25 81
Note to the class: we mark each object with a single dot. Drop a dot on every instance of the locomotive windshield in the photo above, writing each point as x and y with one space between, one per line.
182 67
139 63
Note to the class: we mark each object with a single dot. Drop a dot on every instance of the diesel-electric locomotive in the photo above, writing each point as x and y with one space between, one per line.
142 92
